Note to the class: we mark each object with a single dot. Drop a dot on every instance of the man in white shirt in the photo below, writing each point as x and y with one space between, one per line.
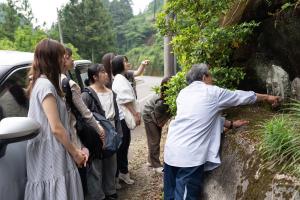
194 136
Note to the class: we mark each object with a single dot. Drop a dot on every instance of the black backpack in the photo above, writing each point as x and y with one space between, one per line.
86 133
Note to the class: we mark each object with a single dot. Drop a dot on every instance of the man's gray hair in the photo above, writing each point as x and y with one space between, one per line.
197 72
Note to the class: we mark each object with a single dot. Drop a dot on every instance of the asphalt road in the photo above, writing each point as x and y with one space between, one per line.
144 92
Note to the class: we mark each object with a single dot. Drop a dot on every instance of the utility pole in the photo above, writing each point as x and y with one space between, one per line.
59 28
169 58
154 10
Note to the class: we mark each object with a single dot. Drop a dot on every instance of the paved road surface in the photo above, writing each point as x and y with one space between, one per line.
144 87
144 92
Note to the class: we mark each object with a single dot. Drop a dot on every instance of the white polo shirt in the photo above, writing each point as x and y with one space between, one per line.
194 135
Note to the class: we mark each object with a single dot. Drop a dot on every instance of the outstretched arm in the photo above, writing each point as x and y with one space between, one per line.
141 68
273 100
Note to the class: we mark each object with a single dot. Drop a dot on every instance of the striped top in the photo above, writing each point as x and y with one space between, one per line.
51 171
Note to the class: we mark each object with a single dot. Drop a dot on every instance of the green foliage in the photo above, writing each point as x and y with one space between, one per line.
53 32
17 31
75 54
280 145
87 25
120 11
140 40
174 86
135 33
138 30
198 37
26 38
6 44
227 77
10 21
154 53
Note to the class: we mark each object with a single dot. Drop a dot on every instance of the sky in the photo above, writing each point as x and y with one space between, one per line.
45 10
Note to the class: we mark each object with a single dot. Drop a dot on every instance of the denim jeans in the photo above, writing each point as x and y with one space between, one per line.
182 183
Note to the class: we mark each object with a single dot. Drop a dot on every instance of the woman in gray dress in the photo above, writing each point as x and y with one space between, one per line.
51 170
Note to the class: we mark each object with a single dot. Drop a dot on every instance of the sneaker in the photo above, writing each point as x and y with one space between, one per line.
126 178
118 185
158 170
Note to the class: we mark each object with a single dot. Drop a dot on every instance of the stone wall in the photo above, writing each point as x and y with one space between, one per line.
241 175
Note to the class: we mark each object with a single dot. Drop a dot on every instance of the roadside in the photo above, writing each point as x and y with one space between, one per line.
148 184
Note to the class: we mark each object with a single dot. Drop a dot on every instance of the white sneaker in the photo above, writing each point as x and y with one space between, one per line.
158 169
126 178
118 185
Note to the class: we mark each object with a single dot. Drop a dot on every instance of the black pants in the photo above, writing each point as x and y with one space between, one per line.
83 176
122 154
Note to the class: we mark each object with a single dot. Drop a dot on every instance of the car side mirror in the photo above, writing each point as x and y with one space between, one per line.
16 129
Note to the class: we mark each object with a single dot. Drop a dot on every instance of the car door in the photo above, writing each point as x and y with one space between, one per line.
13 103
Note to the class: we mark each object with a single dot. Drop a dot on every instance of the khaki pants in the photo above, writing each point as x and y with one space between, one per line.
153 133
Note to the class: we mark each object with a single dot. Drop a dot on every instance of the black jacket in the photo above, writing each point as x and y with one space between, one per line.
92 105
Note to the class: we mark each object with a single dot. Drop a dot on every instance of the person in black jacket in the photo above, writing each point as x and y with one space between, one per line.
99 99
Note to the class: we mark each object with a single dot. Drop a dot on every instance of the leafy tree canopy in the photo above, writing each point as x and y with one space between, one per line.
199 36
87 25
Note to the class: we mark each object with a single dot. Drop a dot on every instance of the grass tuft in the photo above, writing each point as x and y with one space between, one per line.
280 145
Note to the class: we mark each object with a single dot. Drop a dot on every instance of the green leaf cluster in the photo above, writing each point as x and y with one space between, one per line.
25 39
199 37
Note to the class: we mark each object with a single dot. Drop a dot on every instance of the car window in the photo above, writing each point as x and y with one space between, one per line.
81 74
13 101
84 76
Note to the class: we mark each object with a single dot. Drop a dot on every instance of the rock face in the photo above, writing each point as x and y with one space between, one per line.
278 83
296 88
275 42
241 176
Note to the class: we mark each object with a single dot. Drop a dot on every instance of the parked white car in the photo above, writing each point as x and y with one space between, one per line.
15 127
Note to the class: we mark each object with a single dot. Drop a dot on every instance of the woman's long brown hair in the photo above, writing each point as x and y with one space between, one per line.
48 57
106 61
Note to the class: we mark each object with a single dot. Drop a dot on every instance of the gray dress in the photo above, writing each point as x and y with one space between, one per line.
52 173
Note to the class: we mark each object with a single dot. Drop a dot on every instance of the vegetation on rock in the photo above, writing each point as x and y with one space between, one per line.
199 36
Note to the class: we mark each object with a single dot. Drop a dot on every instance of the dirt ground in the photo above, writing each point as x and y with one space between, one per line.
148 184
